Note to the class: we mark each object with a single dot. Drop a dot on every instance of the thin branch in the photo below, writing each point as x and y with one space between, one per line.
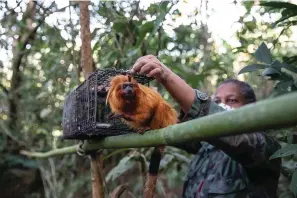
74 57
287 172
7 132
135 11
160 41
118 191
55 152
268 114
47 11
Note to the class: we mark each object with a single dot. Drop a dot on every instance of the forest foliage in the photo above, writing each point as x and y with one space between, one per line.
40 64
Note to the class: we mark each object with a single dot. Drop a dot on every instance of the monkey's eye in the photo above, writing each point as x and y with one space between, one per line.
131 85
124 86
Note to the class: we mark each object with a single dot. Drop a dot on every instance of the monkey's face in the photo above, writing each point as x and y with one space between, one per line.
128 90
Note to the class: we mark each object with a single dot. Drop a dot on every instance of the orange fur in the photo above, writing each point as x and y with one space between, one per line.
149 110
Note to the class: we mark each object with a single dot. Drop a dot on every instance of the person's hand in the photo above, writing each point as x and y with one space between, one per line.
151 67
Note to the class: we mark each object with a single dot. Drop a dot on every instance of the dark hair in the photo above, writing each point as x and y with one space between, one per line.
246 90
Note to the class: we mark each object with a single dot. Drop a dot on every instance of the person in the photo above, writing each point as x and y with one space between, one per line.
230 166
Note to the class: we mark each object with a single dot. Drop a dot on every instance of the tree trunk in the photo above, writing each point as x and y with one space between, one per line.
18 181
26 35
86 51
87 65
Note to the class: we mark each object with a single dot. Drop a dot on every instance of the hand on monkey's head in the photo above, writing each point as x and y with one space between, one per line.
150 66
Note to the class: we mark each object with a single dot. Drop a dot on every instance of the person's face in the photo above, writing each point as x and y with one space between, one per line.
229 94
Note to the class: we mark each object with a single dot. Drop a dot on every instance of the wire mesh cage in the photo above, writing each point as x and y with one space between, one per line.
85 114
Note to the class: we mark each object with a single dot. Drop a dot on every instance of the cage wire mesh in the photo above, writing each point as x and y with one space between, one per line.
85 114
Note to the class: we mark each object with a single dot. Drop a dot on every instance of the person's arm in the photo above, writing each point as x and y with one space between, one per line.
182 93
246 148
251 149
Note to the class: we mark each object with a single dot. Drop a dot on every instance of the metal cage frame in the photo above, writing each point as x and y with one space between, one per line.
84 109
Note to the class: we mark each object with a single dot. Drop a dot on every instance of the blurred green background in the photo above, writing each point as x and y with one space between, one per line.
203 41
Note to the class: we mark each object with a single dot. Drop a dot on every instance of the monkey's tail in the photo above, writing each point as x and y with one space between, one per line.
150 184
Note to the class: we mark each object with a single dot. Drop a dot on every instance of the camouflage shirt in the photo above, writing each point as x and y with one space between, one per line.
232 166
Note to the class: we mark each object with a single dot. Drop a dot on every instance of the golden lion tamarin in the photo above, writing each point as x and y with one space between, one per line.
141 108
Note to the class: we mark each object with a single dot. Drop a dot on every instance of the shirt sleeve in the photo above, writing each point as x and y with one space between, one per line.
199 108
248 149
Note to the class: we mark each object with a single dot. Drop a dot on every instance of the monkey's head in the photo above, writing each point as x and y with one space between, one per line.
123 87
128 89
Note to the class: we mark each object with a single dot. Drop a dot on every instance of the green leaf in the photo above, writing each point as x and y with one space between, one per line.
248 4
195 79
293 184
278 4
14 160
276 64
2 143
96 46
251 25
115 153
158 21
286 14
283 87
45 112
290 67
290 137
120 25
146 27
290 60
160 18
125 164
289 149
251 68
271 72
288 23
181 157
165 161
41 95
263 55
178 69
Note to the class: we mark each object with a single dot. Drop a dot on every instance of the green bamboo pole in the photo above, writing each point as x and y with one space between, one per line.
267 114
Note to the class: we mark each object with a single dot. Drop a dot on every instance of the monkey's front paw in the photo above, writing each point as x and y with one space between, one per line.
142 130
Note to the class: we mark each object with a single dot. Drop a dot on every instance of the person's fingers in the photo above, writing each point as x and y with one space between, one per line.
138 64
137 67
147 68
156 73
150 66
